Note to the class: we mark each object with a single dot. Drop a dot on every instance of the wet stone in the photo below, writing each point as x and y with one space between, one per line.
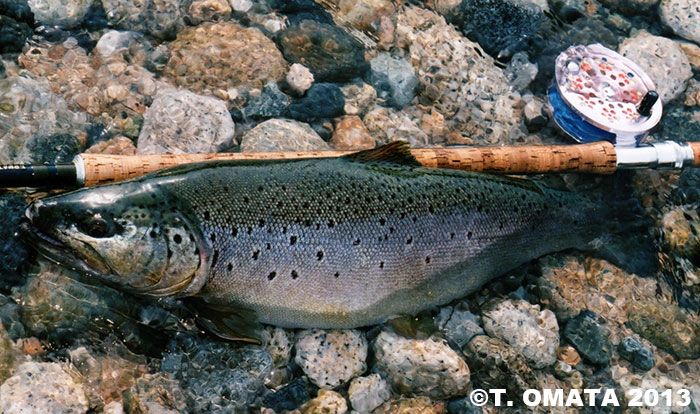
426 367
682 17
331 54
217 376
13 35
667 326
10 318
637 353
458 324
299 78
278 343
417 405
394 80
6 354
17 10
271 103
528 330
282 135
463 406
39 387
184 122
290 397
208 11
15 254
631 8
322 100
331 358
590 338
327 402
155 394
57 148
351 134
161 19
360 98
367 393
66 14
299 10
520 71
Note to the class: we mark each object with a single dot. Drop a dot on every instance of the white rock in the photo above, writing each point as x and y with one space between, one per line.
327 402
278 343
367 393
331 358
65 13
662 59
184 122
533 332
683 17
282 135
421 366
42 387
241 5
113 41
300 78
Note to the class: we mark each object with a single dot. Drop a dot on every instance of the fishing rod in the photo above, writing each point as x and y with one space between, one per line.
601 99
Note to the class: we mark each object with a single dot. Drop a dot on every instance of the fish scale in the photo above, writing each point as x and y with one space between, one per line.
325 243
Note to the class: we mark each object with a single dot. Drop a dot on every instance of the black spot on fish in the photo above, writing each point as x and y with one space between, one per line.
191 238
245 199
177 239
391 229
356 242
381 265
319 255
261 223
295 274
427 259
256 254
331 223
336 275
382 221
250 230
269 246
415 219
229 267
212 237
452 236
307 223
207 216
292 240
260 188
153 234
469 235
215 258
284 230
409 240
271 275
170 253
234 232
431 209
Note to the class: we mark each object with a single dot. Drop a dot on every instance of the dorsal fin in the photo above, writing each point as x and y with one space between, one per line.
396 152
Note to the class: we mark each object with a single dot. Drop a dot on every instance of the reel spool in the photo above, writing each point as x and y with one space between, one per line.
599 95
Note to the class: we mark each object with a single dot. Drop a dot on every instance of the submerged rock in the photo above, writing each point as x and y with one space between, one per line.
394 80
299 78
417 405
668 327
67 14
637 353
331 358
351 134
15 254
426 367
282 135
367 393
327 402
458 324
162 19
290 397
322 100
13 35
155 394
590 338
270 103
682 17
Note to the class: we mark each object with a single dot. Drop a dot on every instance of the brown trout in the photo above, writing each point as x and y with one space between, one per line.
324 243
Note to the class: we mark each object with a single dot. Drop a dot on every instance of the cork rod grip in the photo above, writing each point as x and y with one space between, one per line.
592 158
695 146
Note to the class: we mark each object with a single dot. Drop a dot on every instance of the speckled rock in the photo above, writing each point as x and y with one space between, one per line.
118 145
367 393
29 108
290 397
682 17
387 124
278 343
662 59
426 367
394 80
417 405
184 122
322 100
360 98
56 148
692 51
495 364
67 14
590 338
155 394
13 35
351 134
458 324
282 135
208 11
42 387
327 402
270 103
637 353
528 330
331 358
217 376
458 80
630 7
520 71
162 19
360 14
201 58
299 78
331 54
668 327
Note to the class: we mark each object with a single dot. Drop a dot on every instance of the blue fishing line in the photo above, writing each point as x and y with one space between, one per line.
573 123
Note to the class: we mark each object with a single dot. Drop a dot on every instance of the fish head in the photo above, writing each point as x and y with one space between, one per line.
129 235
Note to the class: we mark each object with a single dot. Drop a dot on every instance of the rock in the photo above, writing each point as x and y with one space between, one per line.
278 343
282 135
155 394
590 338
290 397
217 375
184 122
666 326
13 35
359 98
331 54
568 355
458 324
637 353
387 124
682 17
241 5
119 145
495 364
662 59
17 10
113 41
528 330
271 103
297 11
534 112
28 108
42 387
331 358
208 11
520 71
692 51
14 253
322 100
367 393
418 405
161 19
463 406
680 226
57 148
299 78
631 8
394 80
361 14
327 402
201 58
68 14
7 355
10 318
351 134
426 367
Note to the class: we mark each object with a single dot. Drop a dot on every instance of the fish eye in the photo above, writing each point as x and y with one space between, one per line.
97 227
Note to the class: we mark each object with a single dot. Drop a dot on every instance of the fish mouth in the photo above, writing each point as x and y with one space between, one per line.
57 251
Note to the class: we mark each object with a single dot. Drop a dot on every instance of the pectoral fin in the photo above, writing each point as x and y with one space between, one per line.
227 322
